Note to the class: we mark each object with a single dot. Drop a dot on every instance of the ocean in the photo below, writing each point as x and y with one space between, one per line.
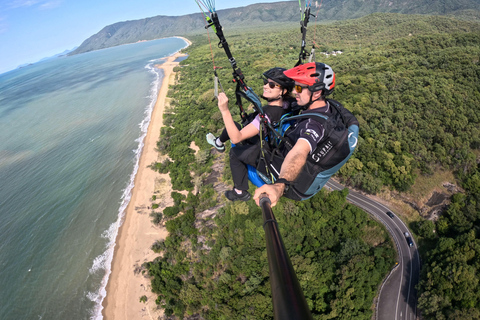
71 133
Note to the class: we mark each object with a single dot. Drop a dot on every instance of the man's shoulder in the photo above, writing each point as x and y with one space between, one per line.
312 121
318 115
326 108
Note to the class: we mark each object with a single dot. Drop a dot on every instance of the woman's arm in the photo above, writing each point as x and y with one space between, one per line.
235 135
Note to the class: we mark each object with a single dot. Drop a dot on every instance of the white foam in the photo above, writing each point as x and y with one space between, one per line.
104 261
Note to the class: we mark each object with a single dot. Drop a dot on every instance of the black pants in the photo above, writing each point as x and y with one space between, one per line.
240 156
224 136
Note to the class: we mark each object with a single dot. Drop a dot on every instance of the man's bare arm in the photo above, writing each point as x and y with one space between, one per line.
291 168
295 160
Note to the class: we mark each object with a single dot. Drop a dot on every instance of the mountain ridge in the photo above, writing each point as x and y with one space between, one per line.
255 15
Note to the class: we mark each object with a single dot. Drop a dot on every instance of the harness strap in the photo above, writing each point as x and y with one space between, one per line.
284 181
312 53
303 29
242 90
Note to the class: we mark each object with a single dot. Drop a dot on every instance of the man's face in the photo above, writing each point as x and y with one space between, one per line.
302 94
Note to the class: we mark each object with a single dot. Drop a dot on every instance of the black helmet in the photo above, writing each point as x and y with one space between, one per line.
277 75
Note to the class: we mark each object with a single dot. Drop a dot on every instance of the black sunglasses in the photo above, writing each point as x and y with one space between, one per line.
271 84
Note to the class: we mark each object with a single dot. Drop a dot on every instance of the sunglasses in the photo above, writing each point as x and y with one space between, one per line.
271 84
299 89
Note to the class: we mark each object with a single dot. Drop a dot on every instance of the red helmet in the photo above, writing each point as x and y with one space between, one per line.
318 76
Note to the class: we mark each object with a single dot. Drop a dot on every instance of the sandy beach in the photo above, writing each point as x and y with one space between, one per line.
126 283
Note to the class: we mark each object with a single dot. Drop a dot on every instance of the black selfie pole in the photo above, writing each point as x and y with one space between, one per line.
288 300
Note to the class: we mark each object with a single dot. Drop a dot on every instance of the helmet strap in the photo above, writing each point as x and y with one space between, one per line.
305 107
271 99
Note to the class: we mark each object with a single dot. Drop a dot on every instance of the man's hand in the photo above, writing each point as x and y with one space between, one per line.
272 191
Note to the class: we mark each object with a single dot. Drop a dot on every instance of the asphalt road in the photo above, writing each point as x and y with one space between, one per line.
398 296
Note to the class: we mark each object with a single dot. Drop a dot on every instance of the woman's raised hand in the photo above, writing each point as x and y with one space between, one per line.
222 102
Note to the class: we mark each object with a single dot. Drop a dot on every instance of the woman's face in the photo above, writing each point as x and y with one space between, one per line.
271 89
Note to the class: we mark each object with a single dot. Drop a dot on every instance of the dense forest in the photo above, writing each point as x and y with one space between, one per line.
417 97
221 272
449 285
413 83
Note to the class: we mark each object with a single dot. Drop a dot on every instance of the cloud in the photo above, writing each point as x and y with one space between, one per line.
50 5
22 3
42 4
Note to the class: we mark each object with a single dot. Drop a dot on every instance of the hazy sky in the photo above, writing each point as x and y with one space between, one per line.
34 29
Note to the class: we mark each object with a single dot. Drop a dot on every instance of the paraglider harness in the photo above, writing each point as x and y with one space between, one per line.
339 142
340 138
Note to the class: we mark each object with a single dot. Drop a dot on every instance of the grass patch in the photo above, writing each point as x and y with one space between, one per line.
425 185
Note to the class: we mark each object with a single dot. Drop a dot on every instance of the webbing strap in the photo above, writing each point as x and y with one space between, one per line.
215 86
303 29
238 102
242 90
312 55
223 42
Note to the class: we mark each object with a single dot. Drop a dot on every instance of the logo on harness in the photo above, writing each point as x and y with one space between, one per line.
317 156
313 133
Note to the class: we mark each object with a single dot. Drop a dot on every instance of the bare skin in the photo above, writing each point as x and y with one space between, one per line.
235 135
296 158
291 167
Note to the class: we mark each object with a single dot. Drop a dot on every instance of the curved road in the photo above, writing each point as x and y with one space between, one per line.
398 296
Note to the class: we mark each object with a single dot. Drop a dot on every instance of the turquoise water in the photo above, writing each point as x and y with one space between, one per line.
71 131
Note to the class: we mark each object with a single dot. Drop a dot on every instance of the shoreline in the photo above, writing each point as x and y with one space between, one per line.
126 284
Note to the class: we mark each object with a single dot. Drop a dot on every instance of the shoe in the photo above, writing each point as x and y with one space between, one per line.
211 140
232 195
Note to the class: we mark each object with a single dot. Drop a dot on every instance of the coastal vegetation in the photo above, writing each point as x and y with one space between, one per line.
412 81
220 270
